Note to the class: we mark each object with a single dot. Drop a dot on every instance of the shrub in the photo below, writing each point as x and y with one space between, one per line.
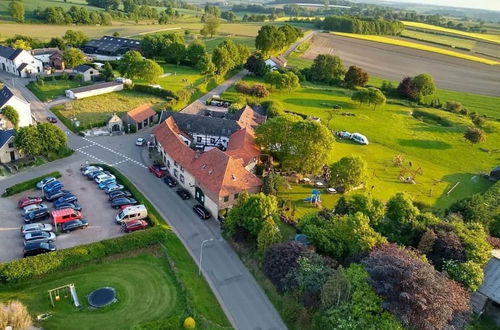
15 315
27 268
160 92
453 106
273 108
281 261
257 90
27 185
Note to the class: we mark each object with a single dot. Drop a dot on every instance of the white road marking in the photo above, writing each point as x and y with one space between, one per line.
125 158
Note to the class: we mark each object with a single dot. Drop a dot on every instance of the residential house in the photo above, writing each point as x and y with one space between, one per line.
93 90
112 47
140 117
22 107
44 54
274 63
86 71
19 62
215 178
56 61
8 151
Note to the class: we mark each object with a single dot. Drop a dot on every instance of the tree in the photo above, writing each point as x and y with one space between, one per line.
361 96
12 115
328 69
336 290
175 52
16 9
419 296
268 235
366 204
73 57
243 52
205 65
130 64
75 38
151 71
348 172
271 184
424 84
269 39
223 60
445 246
312 273
27 141
355 77
211 26
273 108
256 64
375 97
280 261
475 135
195 51
228 16
408 89
51 138
290 33
108 73
288 80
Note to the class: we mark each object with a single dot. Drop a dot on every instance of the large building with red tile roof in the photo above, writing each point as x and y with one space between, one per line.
140 117
214 177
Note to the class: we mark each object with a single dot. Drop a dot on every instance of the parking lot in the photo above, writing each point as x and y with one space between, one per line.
96 210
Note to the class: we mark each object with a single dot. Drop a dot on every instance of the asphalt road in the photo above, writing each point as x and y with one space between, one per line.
394 62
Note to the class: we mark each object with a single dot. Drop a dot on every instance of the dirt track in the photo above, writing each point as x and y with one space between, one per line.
393 62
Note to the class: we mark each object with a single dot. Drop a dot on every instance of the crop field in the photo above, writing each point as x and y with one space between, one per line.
31 5
439 39
438 152
487 37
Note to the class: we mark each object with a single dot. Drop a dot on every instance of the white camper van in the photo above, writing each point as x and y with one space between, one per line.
359 138
136 212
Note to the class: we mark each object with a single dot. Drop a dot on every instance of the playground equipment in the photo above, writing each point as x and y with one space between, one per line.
102 297
315 197
66 290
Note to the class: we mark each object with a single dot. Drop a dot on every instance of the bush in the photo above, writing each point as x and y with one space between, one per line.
453 106
27 185
160 92
273 108
27 268
257 90
431 118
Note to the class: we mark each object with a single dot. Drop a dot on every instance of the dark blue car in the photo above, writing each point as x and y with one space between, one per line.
56 194
36 215
74 206
67 198
53 186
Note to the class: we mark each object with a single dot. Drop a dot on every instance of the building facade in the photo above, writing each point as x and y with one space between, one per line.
8 151
19 62
22 107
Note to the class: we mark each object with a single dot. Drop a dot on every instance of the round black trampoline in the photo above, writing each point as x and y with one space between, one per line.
102 297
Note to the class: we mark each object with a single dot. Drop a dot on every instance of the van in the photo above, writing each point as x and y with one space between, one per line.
65 215
359 138
136 212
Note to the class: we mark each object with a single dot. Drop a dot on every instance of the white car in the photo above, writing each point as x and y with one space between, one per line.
359 138
104 177
344 134
39 236
140 142
45 181
33 227
33 207
86 170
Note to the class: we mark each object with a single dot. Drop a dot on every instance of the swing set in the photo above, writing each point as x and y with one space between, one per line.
65 291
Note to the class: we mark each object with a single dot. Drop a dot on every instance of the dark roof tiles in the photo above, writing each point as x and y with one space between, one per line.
5 95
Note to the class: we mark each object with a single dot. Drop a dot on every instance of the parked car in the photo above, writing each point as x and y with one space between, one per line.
104 184
140 142
113 187
53 186
33 207
33 227
40 184
133 225
30 200
344 134
52 119
103 177
87 169
67 198
159 171
202 212
183 193
359 138
36 216
39 236
74 225
119 193
136 212
171 182
93 174
117 202
74 206
33 249
56 194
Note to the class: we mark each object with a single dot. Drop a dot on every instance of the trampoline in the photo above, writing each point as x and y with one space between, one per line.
102 297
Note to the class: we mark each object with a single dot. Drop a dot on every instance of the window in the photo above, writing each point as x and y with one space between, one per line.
212 140
236 195
168 163
176 172
11 145
198 139
182 169
226 199
181 178
175 164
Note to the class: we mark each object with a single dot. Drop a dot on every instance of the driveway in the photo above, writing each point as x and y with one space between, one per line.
95 208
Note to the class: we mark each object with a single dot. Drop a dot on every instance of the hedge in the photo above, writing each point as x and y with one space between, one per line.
160 92
27 185
27 268
154 218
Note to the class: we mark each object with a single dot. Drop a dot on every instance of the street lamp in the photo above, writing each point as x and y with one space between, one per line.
201 252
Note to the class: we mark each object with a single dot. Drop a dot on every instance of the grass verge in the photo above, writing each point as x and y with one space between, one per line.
419 46
27 185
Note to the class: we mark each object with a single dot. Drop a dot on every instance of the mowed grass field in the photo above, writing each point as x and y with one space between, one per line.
52 89
420 46
488 37
31 5
439 153
440 39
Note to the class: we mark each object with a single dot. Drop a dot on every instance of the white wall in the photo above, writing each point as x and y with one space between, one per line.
23 108
45 58
5 152
36 65
95 92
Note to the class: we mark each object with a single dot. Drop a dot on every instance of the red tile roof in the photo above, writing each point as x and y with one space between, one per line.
215 171
242 145
250 118
141 113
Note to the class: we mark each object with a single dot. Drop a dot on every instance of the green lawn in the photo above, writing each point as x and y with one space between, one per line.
96 109
52 89
440 153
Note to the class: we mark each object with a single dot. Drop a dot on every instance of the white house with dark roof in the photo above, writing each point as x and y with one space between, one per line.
86 71
19 62
8 151
44 54
22 107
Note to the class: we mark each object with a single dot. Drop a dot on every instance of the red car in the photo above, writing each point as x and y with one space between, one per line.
159 171
30 200
133 225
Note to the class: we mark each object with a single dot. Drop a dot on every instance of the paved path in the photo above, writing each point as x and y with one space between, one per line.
296 44
224 86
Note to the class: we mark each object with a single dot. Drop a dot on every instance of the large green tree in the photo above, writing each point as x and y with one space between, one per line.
73 57
28 141
75 38
327 68
16 9
425 84
130 64
268 235
269 39
175 52
195 51
151 71
205 65
348 172
211 25
223 60
356 77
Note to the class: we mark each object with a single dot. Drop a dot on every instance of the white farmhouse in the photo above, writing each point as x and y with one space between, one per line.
19 62
22 107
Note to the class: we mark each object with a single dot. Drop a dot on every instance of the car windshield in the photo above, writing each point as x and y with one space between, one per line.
121 214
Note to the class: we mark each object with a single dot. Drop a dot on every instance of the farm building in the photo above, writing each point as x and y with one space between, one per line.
8 151
22 107
56 61
111 46
86 71
44 54
93 90
274 63
140 117
19 62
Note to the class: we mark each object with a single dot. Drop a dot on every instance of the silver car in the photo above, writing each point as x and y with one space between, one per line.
88 169
33 207
34 227
39 237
